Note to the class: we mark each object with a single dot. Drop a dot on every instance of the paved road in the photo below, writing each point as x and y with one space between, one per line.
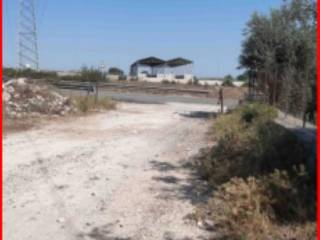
157 99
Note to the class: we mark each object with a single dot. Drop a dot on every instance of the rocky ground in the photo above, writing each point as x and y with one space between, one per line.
111 176
27 98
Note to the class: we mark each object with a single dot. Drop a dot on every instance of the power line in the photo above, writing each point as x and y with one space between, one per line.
28 41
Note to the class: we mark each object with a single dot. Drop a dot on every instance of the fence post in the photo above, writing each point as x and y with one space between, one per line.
97 94
221 99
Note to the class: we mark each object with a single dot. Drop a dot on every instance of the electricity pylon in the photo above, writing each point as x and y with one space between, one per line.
28 42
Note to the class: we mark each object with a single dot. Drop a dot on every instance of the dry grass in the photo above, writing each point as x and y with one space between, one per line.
86 104
261 189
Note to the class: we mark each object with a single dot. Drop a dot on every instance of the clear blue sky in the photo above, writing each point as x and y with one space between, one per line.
77 32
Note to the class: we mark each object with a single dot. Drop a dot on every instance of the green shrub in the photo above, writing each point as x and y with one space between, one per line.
227 83
260 111
165 81
249 143
261 189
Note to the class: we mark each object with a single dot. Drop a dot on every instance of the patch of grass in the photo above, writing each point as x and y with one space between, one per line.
89 103
256 170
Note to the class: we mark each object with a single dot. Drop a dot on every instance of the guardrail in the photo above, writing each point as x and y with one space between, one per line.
80 87
90 87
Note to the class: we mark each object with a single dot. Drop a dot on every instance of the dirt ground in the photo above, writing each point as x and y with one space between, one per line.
110 176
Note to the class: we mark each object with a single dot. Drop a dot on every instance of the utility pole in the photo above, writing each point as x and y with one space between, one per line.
28 41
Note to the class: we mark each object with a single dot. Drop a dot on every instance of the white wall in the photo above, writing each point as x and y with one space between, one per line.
161 77
210 82
218 82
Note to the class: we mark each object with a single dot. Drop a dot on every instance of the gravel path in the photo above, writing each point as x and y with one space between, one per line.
110 176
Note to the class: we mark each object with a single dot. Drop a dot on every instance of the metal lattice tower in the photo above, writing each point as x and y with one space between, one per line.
28 42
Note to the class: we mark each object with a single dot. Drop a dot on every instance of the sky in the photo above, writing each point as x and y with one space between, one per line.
73 33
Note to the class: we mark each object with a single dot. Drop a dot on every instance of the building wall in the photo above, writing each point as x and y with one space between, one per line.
67 73
162 77
218 82
113 77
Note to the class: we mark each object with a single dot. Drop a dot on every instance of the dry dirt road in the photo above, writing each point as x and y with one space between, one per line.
108 176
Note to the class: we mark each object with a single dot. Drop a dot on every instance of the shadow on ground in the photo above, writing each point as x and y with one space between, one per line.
200 114
101 233
192 188
104 233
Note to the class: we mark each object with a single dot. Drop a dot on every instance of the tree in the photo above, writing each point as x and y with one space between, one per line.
228 77
243 77
279 53
227 82
115 71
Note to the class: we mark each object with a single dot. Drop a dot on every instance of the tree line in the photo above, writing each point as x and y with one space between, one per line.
90 74
279 56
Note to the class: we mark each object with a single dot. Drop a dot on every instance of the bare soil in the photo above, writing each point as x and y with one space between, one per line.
110 176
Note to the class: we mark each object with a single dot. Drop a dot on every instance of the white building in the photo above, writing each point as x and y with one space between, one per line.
153 69
218 82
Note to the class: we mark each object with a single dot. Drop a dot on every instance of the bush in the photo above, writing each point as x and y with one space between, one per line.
249 143
227 83
274 206
89 103
261 189
254 111
92 74
165 81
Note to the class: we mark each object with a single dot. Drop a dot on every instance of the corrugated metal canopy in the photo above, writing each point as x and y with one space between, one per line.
153 61
150 61
178 62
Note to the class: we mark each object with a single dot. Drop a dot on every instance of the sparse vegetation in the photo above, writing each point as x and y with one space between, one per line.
92 74
227 83
165 81
28 73
195 81
261 189
89 103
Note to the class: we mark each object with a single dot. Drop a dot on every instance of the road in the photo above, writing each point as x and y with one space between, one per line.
107 176
156 98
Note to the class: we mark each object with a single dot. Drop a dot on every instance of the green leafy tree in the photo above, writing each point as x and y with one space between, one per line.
243 77
228 77
115 71
279 52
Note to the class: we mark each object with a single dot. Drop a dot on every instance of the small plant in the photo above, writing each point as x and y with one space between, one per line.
165 81
89 103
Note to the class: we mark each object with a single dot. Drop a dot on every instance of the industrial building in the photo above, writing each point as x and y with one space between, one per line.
154 69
